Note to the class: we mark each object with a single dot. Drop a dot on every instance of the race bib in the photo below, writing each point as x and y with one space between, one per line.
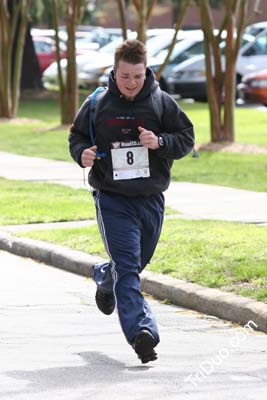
129 160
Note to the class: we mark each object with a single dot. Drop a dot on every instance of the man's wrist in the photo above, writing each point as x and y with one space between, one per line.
161 142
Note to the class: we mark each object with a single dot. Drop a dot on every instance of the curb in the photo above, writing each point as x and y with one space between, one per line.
223 305
58 256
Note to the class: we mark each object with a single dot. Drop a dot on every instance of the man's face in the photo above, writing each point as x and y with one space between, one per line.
130 78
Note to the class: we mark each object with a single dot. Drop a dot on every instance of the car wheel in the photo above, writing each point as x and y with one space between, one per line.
238 81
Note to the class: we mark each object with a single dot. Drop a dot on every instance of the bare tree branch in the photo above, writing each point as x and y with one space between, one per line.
55 26
243 7
122 13
137 4
173 42
256 11
150 9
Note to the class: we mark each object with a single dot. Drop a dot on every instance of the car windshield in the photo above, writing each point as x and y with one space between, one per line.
256 28
245 40
259 47
154 44
111 47
157 43
182 52
101 37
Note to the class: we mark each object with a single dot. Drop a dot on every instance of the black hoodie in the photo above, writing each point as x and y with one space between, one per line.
117 120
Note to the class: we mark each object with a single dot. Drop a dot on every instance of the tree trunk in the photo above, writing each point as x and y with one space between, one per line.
68 89
71 102
19 48
31 76
5 61
61 83
230 82
214 104
122 13
213 85
142 27
221 88
178 25
14 19
176 10
144 13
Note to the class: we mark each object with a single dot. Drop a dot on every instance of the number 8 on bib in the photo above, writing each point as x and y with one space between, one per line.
130 162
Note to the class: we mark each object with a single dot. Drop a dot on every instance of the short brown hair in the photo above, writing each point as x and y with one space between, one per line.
131 51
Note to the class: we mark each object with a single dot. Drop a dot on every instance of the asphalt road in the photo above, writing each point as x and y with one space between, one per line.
55 344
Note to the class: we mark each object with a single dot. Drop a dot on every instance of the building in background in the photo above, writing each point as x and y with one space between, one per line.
162 17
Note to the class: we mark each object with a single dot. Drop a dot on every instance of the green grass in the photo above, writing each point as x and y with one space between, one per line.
47 110
243 171
250 123
210 253
246 171
35 140
40 137
30 202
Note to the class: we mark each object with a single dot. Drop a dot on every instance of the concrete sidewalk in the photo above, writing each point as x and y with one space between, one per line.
208 301
55 345
193 200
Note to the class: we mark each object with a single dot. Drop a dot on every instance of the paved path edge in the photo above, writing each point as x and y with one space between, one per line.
228 306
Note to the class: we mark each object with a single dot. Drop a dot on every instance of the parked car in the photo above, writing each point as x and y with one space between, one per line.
82 30
100 59
189 43
188 79
95 39
158 40
92 65
183 50
45 49
253 87
256 28
50 33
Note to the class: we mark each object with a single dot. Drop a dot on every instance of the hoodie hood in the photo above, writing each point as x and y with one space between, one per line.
150 85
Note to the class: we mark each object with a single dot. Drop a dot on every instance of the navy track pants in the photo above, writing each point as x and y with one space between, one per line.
130 228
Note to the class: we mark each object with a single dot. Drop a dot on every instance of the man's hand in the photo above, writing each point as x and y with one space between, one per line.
89 156
148 139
